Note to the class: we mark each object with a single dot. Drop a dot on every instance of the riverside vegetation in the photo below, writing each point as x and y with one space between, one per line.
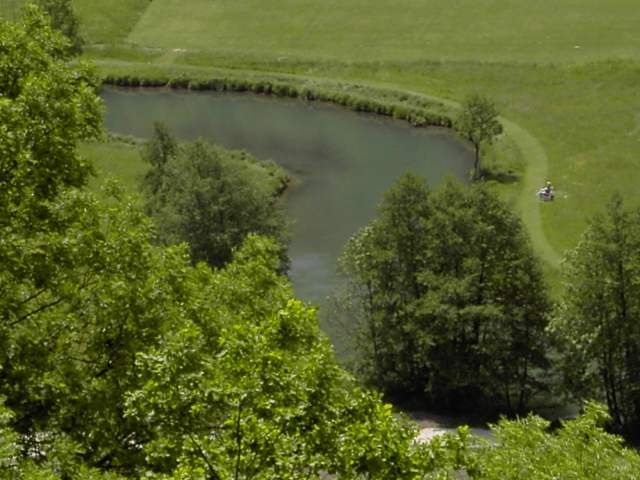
122 359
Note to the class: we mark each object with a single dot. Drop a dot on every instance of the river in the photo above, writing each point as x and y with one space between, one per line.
342 161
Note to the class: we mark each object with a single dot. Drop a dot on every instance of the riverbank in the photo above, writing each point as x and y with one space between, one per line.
506 159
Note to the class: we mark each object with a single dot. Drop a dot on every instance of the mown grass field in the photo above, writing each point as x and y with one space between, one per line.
402 30
119 160
564 72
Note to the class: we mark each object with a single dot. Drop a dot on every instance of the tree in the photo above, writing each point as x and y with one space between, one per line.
580 449
46 107
450 300
157 152
64 20
249 388
478 123
598 322
381 264
118 357
212 198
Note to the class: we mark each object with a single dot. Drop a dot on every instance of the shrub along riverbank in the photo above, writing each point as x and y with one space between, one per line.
401 105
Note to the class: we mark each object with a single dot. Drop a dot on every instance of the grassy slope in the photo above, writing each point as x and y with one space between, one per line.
108 21
579 120
118 160
509 30
102 21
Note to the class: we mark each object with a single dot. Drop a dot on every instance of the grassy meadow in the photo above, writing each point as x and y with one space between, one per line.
564 73
116 159
403 30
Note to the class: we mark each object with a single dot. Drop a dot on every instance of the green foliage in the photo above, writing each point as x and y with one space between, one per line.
64 20
211 198
45 108
598 322
101 293
61 460
118 357
157 152
478 123
137 362
449 298
8 438
580 450
160 149
252 389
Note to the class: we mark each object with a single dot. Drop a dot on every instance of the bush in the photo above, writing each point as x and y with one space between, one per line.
580 449
362 99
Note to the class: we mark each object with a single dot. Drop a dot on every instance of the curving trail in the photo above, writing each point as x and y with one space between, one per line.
534 176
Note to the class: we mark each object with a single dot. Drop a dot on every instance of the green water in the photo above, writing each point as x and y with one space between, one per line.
343 160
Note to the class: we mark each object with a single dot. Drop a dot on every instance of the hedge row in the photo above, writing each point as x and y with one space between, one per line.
405 108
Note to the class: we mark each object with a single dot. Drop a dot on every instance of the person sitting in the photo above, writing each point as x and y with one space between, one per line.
546 193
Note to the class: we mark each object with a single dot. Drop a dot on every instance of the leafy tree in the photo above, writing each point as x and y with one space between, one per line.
252 390
71 341
119 357
450 299
211 198
478 123
598 322
581 449
161 148
46 107
61 458
64 20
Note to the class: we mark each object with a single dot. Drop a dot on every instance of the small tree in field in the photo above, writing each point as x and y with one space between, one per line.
478 123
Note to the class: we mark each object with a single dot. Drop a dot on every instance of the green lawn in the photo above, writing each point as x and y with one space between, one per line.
565 73
108 21
118 160
586 118
103 22
375 30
